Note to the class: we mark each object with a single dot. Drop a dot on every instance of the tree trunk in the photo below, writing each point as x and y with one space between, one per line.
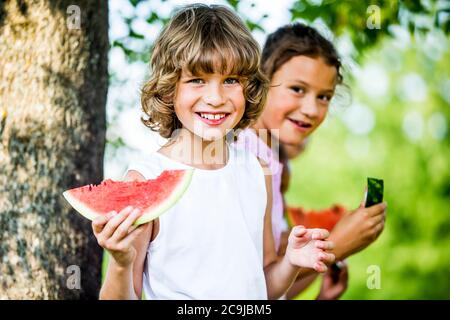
53 86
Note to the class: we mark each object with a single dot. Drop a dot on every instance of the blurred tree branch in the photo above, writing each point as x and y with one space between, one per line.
366 22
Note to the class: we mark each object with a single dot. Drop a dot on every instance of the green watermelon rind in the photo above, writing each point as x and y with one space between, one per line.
374 191
171 200
85 211
147 216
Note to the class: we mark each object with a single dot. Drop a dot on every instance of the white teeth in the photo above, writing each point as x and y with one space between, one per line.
210 116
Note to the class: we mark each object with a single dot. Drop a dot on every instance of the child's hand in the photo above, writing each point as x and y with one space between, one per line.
334 282
115 232
307 249
357 229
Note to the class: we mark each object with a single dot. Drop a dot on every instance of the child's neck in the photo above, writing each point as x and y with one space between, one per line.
194 151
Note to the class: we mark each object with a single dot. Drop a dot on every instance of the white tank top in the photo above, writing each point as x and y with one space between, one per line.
210 243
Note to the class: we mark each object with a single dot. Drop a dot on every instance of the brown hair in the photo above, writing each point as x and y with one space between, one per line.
206 39
297 39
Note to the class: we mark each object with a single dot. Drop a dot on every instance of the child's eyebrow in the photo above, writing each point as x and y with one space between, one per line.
189 76
188 73
297 81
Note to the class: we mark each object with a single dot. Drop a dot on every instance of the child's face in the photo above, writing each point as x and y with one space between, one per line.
209 104
298 98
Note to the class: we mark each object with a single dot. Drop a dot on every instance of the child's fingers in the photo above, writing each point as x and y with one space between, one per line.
320 267
325 245
124 228
114 222
299 231
379 227
377 209
377 219
319 234
327 258
99 223
132 235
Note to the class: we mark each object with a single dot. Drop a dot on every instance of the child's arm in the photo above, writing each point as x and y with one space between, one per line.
305 249
278 279
300 284
127 248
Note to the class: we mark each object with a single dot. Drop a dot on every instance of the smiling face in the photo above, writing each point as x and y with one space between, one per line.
298 99
209 104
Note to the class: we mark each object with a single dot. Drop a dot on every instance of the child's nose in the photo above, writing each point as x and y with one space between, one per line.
309 107
214 95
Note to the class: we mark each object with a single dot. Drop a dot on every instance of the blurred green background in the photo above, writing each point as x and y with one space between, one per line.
394 126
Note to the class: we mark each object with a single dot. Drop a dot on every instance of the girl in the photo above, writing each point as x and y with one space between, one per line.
216 242
304 70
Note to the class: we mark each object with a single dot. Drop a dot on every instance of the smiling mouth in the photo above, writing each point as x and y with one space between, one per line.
301 124
212 118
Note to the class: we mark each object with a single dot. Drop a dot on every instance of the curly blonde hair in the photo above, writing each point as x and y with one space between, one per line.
202 39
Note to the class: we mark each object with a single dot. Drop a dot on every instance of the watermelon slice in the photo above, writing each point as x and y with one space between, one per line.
152 197
325 218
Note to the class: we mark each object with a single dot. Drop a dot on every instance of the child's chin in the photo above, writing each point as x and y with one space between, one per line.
211 138
292 140
210 135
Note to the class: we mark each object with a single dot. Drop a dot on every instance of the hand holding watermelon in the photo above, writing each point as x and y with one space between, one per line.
358 229
138 201
307 248
116 233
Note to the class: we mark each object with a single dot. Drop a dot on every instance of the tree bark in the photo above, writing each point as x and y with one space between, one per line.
53 86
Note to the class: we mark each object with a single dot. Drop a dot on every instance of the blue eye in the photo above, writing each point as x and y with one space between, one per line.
231 81
196 81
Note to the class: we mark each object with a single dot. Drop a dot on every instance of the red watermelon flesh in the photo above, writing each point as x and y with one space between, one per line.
325 218
153 197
